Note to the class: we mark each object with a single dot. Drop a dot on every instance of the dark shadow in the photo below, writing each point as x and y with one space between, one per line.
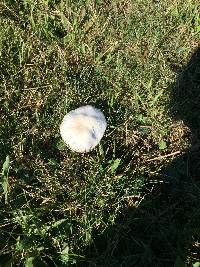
164 230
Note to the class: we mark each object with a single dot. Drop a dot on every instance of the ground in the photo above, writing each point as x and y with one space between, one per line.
133 200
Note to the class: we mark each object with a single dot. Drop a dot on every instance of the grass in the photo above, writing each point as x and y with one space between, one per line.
134 200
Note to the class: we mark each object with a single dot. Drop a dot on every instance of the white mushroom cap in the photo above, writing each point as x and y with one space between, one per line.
83 128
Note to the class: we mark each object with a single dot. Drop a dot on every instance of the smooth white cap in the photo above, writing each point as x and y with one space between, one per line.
83 128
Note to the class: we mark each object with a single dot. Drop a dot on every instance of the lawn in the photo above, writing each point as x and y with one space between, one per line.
135 199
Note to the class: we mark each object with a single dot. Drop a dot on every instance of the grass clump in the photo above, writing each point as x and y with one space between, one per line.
133 201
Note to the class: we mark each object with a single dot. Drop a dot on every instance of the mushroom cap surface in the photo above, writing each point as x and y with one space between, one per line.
83 128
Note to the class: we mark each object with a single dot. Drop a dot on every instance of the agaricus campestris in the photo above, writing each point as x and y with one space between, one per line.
83 128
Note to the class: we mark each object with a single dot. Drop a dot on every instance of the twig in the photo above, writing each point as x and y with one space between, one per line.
165 156
6 224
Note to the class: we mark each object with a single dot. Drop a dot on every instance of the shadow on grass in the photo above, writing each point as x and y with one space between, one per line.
164 230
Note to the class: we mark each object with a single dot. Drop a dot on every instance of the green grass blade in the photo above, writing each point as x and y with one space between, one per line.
4 178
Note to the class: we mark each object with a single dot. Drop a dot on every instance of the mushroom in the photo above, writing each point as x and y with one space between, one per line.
83 128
